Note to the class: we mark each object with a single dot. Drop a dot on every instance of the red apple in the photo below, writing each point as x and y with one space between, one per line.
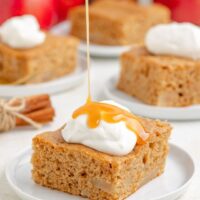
63 6
5 11
184 10
43 10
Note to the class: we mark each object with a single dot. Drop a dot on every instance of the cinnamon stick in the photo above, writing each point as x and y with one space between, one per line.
38 108
43 116
35 102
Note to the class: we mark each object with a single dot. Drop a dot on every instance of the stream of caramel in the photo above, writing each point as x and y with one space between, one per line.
88 47
96 111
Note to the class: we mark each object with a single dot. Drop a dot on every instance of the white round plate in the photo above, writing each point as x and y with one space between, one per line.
95 50
140 108
51 87
173 183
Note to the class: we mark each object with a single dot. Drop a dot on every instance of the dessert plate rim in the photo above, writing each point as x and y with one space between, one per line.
104 50
12 165
96 50
138 107
50 87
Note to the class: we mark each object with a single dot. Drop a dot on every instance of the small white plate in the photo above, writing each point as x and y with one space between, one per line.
140 108
173 183
95 50
51 87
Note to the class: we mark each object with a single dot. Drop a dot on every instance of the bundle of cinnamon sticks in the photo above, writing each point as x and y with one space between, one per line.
38 108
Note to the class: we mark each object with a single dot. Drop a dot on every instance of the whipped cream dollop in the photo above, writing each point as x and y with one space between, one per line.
178 39
111 138
22 32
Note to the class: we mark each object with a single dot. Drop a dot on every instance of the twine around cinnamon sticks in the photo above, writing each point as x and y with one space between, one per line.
33 110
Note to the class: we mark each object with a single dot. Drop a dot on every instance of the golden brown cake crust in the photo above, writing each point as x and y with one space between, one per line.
80 170
160 80
50 40
117 22
54 58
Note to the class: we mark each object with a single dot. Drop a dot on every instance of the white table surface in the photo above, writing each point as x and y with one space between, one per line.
185 134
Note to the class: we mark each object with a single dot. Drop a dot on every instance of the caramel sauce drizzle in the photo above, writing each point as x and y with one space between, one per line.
97 111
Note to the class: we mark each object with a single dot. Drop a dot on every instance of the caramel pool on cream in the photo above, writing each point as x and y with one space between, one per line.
97 111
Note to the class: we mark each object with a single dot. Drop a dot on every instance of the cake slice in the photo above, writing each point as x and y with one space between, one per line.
160 80
80 170
54 58
117 22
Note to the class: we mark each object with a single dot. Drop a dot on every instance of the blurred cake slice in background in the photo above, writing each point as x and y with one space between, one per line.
117 22
166 72
28 55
